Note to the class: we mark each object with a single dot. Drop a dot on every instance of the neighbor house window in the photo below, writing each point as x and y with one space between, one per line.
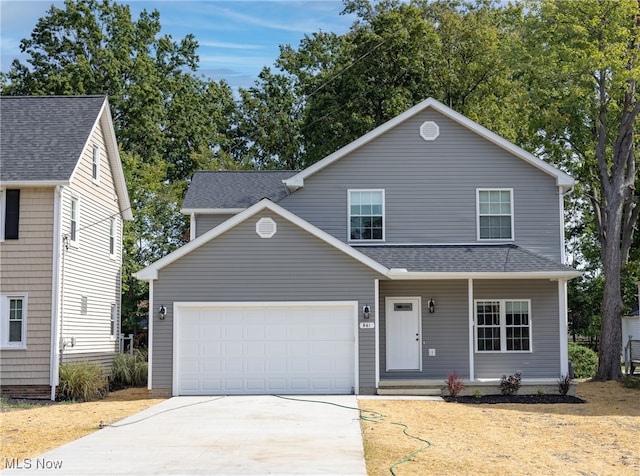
113 320
75 220
503 326
366 215
95 165
112 237
9 214
495 214
13 312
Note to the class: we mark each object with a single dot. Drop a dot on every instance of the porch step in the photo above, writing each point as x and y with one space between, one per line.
406 391
424 388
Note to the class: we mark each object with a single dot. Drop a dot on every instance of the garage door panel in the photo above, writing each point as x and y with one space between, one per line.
279 349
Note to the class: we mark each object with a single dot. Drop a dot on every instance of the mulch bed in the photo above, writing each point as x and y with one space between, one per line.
493 399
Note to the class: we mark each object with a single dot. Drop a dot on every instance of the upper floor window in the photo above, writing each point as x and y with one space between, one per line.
74 234
9 214
495 214
112 237
503 326
366 215
13 316
95 165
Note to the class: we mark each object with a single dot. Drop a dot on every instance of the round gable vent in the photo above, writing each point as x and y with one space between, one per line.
429 130
266 227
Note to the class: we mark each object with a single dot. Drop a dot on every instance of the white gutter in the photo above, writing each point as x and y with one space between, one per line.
401 274
55 291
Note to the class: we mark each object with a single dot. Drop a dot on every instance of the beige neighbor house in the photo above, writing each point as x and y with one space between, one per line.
63 199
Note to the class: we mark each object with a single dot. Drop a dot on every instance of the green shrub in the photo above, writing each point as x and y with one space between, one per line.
511 384
82 381
129 370
584 360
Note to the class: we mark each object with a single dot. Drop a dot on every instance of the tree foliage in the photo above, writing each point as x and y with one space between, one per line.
583 77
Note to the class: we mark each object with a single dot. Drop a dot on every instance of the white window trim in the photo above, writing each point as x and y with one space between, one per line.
113 233
113 317
4 303
3 212
384 214
503 327
513 231
96 158
75 198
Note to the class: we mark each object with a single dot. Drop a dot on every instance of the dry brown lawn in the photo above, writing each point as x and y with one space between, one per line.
600 437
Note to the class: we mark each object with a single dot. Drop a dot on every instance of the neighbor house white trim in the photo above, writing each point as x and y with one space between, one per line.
55 290
212 211
563 180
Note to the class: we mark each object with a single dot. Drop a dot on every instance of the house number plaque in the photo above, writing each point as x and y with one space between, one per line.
367 325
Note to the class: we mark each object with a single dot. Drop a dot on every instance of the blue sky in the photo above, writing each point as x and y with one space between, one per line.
237 37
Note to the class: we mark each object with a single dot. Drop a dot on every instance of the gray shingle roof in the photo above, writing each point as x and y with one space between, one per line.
235 189
462 259
42 137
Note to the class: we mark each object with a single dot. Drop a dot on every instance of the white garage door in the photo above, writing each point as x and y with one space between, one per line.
283 348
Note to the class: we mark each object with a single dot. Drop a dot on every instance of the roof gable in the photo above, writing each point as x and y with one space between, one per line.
43 138
563 180
151 272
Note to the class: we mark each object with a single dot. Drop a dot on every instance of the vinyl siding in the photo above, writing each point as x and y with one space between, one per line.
544 361
446 330
88 269
241 266
27 268
430 188
206 222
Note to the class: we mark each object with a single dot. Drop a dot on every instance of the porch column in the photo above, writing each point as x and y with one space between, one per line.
564 327
376 293
471 346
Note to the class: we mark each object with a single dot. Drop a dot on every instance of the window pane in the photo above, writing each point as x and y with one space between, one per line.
366 216
15 331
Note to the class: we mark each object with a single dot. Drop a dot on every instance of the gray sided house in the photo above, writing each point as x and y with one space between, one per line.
427 246
63 200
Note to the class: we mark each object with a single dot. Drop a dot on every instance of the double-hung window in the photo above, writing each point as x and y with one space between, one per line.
13 314
112 237
366 215
495 214
95 164
113 321
74 223
503 325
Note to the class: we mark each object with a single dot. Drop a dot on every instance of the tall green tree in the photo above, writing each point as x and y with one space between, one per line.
583 73
397 54
168 121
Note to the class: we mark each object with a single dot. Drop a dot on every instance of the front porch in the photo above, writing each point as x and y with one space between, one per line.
483 386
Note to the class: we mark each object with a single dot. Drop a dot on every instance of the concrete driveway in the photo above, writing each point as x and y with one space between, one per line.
250 435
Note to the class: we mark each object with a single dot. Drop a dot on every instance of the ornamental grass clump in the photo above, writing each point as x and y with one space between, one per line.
82 381
129 370
511 384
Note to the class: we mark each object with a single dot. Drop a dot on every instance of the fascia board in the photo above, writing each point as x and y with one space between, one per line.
151 272
115 161
553 275
212 211
562 179
34 183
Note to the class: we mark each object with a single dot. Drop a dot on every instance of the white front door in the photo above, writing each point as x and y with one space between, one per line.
404 335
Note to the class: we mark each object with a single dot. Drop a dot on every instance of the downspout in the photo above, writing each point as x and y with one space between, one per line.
192 227
472 363
55 291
